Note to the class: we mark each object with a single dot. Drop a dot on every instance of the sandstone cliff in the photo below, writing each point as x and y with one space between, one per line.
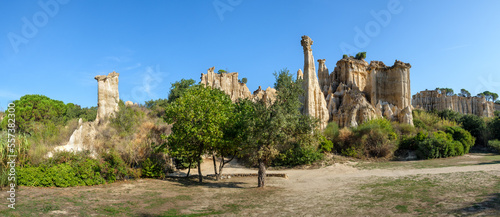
497 107
433 100
229 83
314 103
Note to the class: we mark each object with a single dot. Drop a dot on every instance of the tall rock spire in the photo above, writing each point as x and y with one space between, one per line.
314 100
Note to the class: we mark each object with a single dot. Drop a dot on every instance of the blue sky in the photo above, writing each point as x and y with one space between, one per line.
154 43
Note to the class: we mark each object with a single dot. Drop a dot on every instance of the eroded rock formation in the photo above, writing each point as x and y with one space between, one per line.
497 106
433 100
83 138
229 83
356 91
314 103
108 96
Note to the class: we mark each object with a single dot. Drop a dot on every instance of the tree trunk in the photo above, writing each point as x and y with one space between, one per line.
189 169
217 177
200 177
262 174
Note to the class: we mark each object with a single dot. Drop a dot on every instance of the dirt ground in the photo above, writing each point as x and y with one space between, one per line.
461 186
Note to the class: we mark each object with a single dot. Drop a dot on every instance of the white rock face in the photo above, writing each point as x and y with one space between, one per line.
433 100
83 138
386 92
229 83
314 100
108 96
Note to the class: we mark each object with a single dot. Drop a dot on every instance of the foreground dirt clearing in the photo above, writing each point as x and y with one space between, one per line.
339 190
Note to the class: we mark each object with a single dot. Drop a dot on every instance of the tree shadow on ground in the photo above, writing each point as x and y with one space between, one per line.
489 206
209 182
492 162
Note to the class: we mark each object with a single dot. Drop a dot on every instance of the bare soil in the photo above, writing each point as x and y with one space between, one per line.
468 185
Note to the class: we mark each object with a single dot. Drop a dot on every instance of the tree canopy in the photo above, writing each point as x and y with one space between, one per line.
178 88
198 117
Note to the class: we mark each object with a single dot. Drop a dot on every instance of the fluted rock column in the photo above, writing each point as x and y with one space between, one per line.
314 100
108 96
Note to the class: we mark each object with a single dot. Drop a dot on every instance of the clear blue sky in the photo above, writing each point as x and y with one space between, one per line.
154 43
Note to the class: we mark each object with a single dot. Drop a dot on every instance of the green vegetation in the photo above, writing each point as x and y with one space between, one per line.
360 56
446 91
198 119
179 88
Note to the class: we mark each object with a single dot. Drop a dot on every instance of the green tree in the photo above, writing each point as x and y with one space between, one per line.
198 117
178 88
360 56
494 128
274 124
244 80
37 108
464 93
476 126
446 91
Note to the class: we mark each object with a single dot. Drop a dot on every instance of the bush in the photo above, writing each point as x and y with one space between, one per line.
430 121
298 155
360 56
331 131
476 126
62 175
374 138
463 136
494 128
66 169
126 119
450 115
495 144
439 145
112 166
325 144
151 169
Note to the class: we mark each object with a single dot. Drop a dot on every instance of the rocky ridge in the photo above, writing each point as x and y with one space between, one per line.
433 100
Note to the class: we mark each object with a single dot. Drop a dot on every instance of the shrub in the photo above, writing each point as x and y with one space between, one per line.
374 138
360 56
439 145
126 119
495 144
61 175
430 121
449 115
462 136
331 131
494 128
476 126
325 144
298 155
377 144
151 169
112 166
